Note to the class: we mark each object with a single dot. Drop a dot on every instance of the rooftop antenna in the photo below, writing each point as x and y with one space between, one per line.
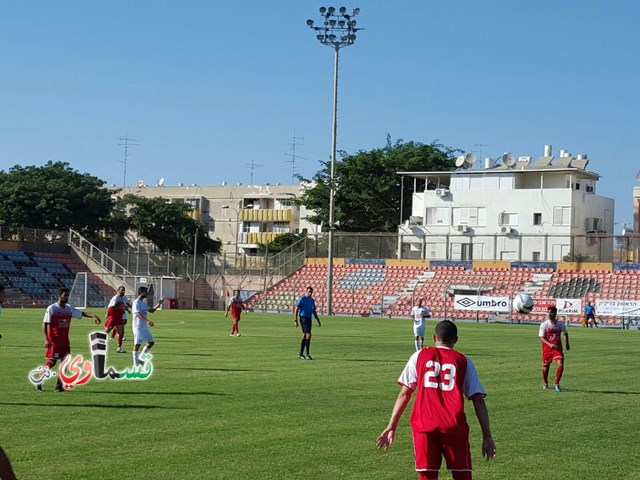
128 142
294 156
253 165
479 146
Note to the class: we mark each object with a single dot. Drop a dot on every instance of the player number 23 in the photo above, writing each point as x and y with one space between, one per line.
446 372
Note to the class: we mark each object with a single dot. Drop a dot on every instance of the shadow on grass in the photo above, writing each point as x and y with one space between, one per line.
93 405
372 360
189 354
157 393
217 369
607 392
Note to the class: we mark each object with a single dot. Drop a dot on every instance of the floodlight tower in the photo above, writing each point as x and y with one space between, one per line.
338 30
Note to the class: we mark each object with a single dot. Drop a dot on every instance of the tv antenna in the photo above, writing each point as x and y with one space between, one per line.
127 143
479 146
294 156
253 165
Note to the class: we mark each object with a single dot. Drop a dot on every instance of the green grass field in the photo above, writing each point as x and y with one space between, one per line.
218 407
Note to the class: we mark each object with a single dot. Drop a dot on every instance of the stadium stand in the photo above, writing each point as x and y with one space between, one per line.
392 290
32 279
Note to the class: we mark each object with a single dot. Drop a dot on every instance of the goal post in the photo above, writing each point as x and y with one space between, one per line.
78 293
90 291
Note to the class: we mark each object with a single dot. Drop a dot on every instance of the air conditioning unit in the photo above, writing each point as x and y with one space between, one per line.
441 192
462 228
506 230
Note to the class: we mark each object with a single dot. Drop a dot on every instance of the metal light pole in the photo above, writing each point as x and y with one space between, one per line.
338 30
237 211
193 283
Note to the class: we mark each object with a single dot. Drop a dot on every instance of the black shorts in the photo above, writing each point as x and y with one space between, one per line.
305 324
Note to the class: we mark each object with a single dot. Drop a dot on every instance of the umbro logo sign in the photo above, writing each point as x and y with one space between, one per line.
466 302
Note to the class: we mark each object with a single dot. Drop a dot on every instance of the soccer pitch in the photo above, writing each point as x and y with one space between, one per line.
218 407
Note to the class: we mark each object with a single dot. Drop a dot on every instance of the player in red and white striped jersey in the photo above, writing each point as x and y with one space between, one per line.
550 334
442 378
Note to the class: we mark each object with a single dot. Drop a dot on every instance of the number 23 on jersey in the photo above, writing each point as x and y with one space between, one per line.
440 376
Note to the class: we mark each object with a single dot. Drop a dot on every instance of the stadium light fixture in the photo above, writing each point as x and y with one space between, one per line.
338 31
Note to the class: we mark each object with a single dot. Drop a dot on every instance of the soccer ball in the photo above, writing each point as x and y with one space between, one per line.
523 303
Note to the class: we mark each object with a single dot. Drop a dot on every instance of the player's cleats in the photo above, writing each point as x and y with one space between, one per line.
59 390
232 334
38 388
237 334
308 357
120 351
545 387
301 357
557 387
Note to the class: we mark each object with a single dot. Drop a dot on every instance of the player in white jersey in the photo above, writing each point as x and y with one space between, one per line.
141 324
419 314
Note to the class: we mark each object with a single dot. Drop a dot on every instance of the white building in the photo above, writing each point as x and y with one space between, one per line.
519 210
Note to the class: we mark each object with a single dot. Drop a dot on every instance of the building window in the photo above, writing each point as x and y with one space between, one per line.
193 203
472 216
509 219
437 216
281 227
535 256
562 216
537 219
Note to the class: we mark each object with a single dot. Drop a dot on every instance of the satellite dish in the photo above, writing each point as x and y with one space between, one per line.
470 158
161 182
140 183
638 176
460 161
508 160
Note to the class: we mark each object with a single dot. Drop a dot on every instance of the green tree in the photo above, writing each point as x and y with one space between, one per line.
368 187
55 197
281 242
168 225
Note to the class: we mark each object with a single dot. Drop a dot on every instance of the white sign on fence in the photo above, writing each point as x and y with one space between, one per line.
569 306
616 308
482 303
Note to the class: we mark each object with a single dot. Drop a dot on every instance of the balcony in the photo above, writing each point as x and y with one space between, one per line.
258 237
266 215
195 214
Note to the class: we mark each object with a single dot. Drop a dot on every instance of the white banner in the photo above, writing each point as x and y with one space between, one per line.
569 306
616 308
482 303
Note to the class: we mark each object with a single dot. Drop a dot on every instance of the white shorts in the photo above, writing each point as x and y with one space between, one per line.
142 335
418 330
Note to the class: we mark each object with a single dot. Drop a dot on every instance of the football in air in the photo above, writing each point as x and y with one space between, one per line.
523 303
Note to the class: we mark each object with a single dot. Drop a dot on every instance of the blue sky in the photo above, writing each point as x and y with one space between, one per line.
207 87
